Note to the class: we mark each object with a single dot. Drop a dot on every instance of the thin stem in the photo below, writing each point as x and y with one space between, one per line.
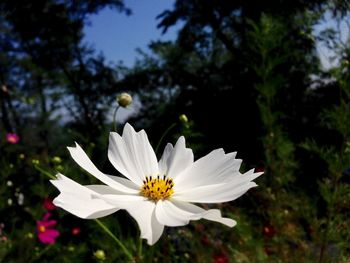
44 172
164 134
115 118
106 229
140 248
330 217
42 252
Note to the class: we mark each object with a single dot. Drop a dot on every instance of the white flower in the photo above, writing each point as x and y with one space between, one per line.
156 194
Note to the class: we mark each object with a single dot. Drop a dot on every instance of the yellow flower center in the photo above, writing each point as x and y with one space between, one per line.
42 229
157 188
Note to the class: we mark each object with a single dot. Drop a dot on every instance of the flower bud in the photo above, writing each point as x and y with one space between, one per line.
35 162
4 89
56 160
183 118
124 99
71 248
29 235
59 168
100 254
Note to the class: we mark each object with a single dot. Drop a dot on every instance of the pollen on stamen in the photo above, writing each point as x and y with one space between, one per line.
158 188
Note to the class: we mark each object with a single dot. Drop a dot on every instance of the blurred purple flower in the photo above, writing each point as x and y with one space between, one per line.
76 231
48 205
12 138
45 230
220 258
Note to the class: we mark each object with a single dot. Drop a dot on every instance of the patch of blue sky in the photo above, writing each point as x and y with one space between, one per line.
328 54
118 36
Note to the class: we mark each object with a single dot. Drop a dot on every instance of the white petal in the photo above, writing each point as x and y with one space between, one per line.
214 168
215 215
178 159
217 193
157 230
175 213
163 162
168 215
132 154
141 150
80 200
144 214
198 213
118 155
116 182
122 201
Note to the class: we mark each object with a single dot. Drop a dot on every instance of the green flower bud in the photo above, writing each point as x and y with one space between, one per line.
345 62
59 168
347 147
124 99
35 162
56 160
100 254
71 248
183 118
30 235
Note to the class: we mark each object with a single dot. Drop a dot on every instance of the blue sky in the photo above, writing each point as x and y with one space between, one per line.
328 56
118 35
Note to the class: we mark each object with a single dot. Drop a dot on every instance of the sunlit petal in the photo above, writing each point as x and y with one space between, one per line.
216 167
216 193
177 159
80 200
132 154
163 162
177 213
83 160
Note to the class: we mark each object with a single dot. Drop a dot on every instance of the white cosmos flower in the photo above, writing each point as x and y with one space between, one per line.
155 194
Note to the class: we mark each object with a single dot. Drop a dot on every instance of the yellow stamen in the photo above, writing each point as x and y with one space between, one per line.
42 229
157 188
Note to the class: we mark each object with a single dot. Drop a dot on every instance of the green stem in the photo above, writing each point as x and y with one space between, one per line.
126 251
115 118
42 252
164 134
44 172
140 248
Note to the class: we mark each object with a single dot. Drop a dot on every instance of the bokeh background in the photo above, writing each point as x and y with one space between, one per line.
268 79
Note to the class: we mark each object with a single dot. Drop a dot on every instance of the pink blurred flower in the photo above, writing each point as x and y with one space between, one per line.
76 231
12 138
220 258
269 230
45 230
259 169
48 205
